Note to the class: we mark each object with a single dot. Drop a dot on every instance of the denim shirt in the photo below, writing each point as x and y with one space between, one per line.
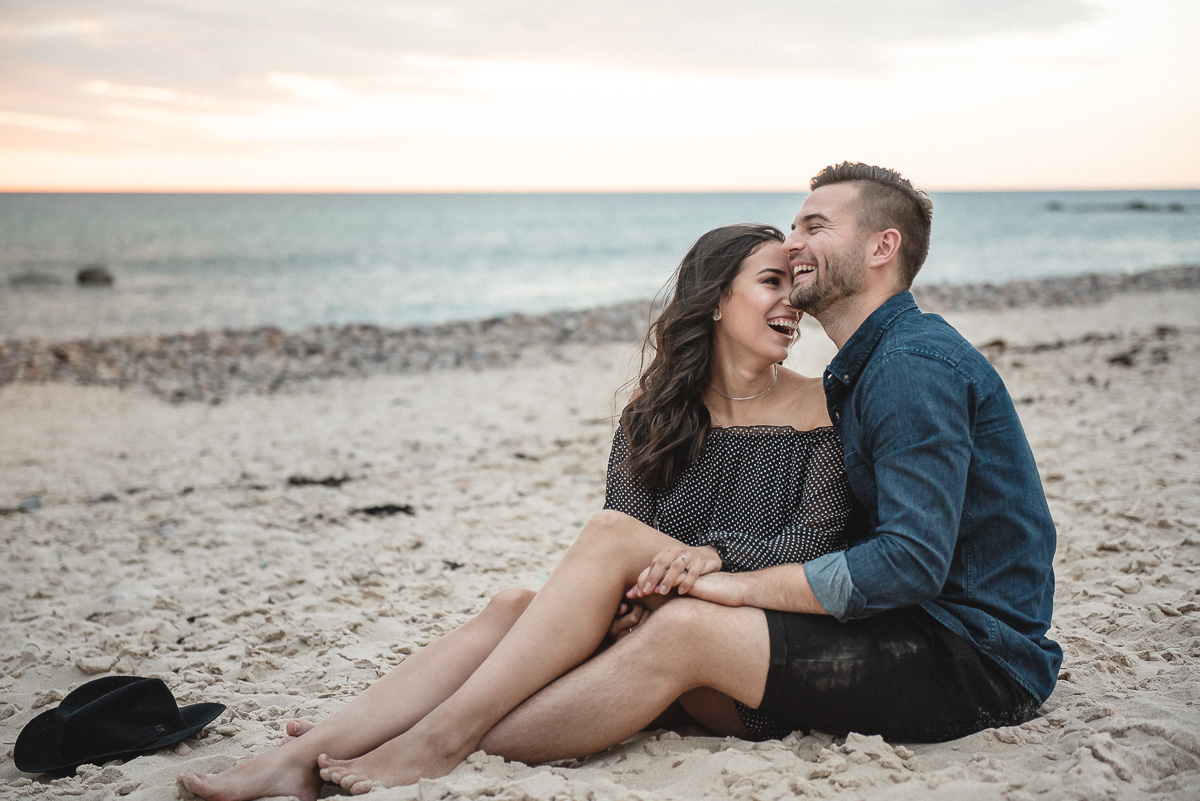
960 525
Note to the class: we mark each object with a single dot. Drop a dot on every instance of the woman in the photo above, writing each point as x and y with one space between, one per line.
728 453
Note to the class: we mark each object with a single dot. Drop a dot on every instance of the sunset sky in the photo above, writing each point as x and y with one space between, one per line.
511 95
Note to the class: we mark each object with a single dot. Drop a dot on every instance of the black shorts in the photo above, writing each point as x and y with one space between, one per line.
900 674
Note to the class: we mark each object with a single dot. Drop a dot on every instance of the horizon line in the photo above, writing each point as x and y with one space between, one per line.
532 191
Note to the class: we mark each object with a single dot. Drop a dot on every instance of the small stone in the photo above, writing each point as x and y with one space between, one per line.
48 697
1128 585
92 665
272 634
30 503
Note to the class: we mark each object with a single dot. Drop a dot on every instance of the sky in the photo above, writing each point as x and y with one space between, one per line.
625 95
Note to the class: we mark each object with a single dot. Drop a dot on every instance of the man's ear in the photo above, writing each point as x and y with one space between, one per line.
884 247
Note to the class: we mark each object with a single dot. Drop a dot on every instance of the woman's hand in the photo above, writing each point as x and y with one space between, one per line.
676 567
629 616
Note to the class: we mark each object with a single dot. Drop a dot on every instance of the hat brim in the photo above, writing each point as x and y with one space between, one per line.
37 746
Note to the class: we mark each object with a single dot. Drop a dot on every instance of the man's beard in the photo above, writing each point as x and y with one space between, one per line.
840 280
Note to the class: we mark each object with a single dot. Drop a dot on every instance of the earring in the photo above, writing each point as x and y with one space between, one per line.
716 317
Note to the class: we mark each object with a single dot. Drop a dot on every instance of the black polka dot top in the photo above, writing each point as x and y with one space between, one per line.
761 495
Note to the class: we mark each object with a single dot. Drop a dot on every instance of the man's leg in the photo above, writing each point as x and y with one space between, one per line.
686 645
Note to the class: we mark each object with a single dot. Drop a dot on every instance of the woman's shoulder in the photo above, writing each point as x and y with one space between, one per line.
797 404
802 401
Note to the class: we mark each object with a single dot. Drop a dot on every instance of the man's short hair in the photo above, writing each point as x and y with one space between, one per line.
889 200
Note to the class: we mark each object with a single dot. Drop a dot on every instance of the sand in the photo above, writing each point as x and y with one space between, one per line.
169 542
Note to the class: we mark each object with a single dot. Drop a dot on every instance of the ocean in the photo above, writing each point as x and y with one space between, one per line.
187 262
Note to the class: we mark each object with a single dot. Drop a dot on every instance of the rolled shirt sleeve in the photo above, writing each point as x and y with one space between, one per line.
829 579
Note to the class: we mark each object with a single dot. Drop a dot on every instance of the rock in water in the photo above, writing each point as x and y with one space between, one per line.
34 279
94 275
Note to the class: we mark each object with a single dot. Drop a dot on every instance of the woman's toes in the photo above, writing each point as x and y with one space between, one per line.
299 726
295 728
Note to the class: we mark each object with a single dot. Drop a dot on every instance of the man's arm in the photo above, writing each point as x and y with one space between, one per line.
917 428
783 587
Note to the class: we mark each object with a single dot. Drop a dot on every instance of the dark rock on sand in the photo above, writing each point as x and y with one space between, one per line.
385 510
94 275
1125 359
328 481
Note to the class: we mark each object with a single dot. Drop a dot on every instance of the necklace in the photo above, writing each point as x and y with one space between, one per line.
774 380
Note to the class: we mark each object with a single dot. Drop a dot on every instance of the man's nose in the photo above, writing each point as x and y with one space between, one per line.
792 242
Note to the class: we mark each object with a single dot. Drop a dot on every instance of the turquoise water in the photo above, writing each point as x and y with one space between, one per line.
188 262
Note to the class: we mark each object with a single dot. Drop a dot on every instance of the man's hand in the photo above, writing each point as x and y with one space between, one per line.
629 616
676 567
727 589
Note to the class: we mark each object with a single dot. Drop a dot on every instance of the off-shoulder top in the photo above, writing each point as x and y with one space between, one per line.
761 495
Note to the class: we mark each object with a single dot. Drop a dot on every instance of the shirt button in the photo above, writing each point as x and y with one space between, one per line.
846 377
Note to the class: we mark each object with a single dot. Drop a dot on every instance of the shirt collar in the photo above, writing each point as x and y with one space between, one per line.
858 348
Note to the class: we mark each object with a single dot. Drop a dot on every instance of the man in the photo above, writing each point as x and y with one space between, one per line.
931 627
962 537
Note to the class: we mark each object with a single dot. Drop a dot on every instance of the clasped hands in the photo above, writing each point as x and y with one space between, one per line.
677 568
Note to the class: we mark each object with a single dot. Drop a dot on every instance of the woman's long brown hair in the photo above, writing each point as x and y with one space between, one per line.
666 421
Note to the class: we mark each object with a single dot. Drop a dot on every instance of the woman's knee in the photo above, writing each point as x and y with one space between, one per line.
509 604
610 530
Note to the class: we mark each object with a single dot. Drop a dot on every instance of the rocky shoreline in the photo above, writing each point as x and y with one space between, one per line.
210 366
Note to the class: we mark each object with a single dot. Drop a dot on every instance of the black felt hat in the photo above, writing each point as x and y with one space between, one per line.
116 717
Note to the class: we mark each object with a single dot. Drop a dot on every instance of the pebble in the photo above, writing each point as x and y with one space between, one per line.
210 366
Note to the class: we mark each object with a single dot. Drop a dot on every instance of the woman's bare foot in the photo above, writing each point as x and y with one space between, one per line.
294 728
270 774
400 761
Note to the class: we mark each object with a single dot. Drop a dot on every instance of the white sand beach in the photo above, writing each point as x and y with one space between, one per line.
170 543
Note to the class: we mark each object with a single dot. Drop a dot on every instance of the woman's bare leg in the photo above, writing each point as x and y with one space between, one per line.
385 709
562 627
